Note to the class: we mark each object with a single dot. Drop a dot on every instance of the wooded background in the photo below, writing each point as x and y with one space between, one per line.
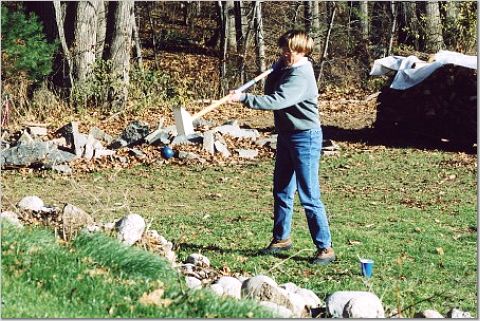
98 46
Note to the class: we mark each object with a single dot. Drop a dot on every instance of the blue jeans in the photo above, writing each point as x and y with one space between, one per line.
296 168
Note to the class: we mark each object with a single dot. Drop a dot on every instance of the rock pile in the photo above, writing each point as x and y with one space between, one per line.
67 147
284 300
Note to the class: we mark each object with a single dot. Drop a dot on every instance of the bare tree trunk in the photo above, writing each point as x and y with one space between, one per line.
259 40
449 27
85 39
316 25
120 49
411 24
394 27
434 39
308 16
154 33
364 20
101 29
59 17
136 40
229 9
223 47
325 44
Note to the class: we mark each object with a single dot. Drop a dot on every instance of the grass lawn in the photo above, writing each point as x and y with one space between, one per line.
412 211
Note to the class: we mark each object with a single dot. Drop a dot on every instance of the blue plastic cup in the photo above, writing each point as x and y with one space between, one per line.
366 266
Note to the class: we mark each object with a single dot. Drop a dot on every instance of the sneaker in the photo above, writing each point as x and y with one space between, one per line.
324 256
277 246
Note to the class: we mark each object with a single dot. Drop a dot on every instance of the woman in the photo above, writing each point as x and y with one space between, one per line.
291 93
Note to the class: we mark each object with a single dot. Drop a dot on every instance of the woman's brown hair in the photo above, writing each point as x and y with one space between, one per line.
296 40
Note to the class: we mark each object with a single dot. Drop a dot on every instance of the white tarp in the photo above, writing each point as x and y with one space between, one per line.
412 71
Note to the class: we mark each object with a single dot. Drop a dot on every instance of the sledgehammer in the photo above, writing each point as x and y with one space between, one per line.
184 121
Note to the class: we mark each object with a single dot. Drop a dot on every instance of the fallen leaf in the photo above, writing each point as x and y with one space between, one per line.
440 251
353 242
155 298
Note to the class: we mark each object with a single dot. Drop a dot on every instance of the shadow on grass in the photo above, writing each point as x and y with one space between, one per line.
244 252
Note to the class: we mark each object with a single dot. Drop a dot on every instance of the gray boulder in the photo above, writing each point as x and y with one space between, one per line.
337 302
73 220
130 228
31 203
11 217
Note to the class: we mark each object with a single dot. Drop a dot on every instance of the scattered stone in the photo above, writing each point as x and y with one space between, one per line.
271 141
31 203
191 139
157 137
135 132
137 153
209 141
99 134
363 307
89 149
25 139
190 156
63 169
237 132
247 153
221 148
217 289
198 260
37 153
103 152
11 217
130 228
263 288
278 310
337 301
118 143
429 314
73 220
193 283
58 142
231 286
79 139
455 313
37 131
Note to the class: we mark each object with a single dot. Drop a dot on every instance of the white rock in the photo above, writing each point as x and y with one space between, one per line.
290 287
31 203
217 289
247 153
221 148
130 228
363 307
263 288
458 314
209 141
193 283
37 131
198 260
429 314
187 268
11 217
232 287
310 299
337 301
278 310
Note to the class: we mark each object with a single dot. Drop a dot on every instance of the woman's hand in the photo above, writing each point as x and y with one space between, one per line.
234 96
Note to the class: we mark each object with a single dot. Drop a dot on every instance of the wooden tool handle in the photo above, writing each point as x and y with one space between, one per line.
211 107
225 98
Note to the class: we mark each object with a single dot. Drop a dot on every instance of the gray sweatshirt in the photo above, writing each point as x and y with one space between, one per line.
291 93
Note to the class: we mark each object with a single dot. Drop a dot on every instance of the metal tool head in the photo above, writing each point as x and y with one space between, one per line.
183 121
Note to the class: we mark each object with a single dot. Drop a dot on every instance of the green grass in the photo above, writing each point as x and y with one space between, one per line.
412 211
96 277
